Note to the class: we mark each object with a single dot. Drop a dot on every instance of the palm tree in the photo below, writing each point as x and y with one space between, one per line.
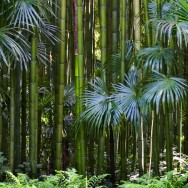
101 113
130 100
32 16
165 92
13 48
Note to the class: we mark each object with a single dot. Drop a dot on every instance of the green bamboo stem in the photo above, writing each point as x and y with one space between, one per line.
147 29
36 114
79 73
123 38
140 148
1 115
155 145
12 120
1 126
137 29
159 8
123 152
32 107
1 81
101 149
123 134
103 28
89 38
91 156
137 39
185 129
55 84
60 90
112 156
114 26
103 24
39 135
24 116
134 148
180 132
17 146
168 141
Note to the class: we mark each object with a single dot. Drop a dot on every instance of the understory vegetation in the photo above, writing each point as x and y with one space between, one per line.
70 179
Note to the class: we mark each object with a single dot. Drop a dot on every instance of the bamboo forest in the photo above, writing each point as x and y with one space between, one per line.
93 93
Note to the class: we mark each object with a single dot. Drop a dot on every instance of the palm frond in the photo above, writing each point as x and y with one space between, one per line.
115 61
46 100
29 13
153 10
129 97
13 45
49 31
165 90
69 95
101 110
155 57
175 23
43 53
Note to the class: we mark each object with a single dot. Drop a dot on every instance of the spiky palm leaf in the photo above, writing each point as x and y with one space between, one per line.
29 14
101 110
165 90
69 95
115 61
175 23
129 97
153 10
13 45
155 57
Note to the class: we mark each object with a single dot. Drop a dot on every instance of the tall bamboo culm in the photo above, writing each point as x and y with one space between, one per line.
60 89
32 107
103 27
79 73
12 119
123 135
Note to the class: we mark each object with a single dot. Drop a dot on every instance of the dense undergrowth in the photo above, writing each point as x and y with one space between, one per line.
170 180
65 179
70 179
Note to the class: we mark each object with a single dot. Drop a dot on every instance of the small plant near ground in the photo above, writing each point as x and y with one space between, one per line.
65 179
170 180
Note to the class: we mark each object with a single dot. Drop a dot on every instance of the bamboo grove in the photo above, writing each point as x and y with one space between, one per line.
96 85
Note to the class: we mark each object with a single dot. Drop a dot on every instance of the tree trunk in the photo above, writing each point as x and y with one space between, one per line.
24 116
81 147
32 108
60 89
12 119
17 136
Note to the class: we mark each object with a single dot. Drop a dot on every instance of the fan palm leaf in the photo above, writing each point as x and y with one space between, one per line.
155 57
165 90
175 23
13 45
115 60
101 110
29 13
129 97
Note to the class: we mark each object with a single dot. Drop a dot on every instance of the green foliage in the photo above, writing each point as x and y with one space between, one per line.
170 180
3 167
165 90
100 109
66 179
